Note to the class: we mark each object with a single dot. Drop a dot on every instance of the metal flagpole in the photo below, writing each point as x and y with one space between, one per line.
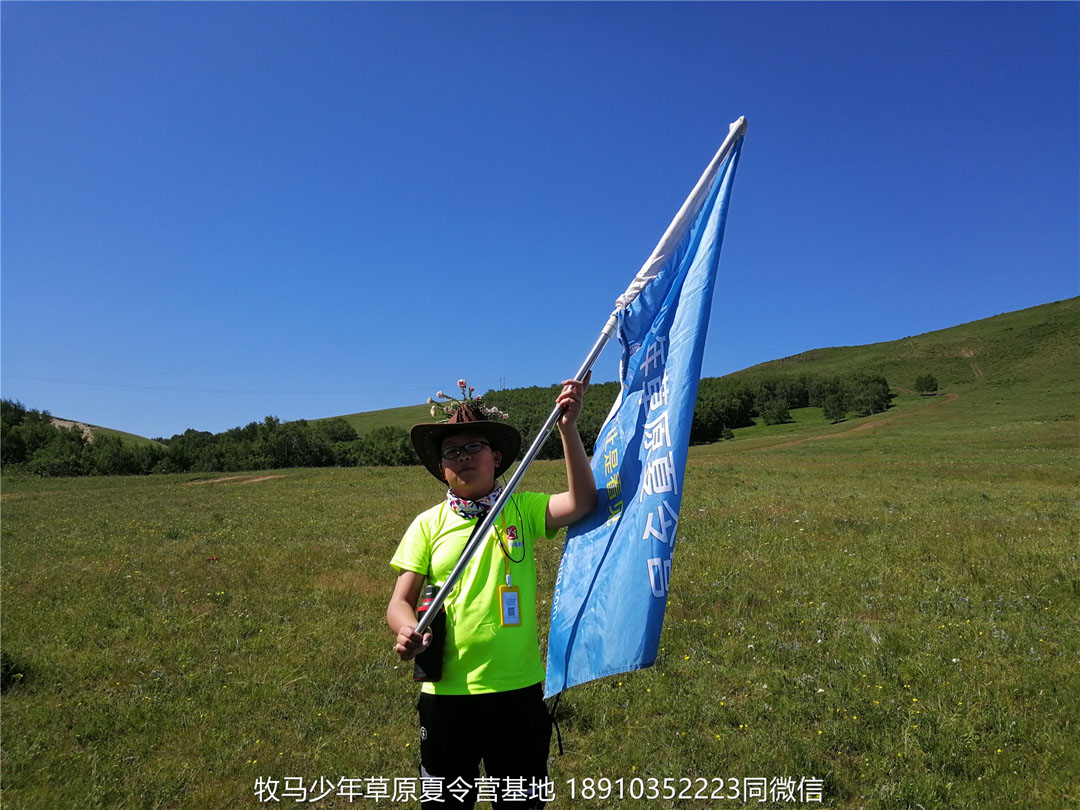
649 271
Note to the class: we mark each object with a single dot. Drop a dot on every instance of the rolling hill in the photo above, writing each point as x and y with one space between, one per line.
1034 353
366 421
1039 346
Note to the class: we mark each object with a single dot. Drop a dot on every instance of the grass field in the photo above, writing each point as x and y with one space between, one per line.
890 605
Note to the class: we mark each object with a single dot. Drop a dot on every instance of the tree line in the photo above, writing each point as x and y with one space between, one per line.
722 405
726 403
29 441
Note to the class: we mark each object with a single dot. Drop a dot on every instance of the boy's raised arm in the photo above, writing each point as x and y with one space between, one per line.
571 506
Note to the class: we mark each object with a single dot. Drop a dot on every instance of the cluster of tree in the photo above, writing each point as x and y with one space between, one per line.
272 444
926 384
31 442
723 404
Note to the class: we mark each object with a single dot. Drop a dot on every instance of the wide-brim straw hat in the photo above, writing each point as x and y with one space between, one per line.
427 438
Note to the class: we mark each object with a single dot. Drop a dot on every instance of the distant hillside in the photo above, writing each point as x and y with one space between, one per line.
366 421
363 423
127 438
90 431
1038 347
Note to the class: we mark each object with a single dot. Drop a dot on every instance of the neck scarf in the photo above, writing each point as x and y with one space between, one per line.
473 509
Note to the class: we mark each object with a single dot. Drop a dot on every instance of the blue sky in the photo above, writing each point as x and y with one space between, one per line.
212 212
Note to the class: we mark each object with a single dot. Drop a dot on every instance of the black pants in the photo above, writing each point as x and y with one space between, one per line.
509 731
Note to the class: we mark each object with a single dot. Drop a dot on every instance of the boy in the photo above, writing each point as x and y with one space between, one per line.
488 703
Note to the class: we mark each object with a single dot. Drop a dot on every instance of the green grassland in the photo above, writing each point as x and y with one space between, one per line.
889 604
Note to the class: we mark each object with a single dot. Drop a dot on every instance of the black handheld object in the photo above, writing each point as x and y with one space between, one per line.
427 666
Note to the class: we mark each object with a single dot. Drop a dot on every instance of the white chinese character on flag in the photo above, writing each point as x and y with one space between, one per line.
659 476
657 392
663 523
657 433
655 355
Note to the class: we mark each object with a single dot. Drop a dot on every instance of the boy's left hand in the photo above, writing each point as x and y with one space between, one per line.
570 400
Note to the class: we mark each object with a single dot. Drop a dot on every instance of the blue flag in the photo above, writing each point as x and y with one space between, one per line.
612 587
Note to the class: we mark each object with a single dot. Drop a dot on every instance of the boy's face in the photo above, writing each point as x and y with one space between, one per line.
470 475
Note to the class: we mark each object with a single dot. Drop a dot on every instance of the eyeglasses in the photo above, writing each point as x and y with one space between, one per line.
472 448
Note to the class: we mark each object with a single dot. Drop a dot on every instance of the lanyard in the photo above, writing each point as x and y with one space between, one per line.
509 595
500 536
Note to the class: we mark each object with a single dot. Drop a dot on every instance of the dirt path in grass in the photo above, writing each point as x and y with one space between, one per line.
229 479
865 425
237 479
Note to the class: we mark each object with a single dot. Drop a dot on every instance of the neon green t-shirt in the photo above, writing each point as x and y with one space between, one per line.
480 654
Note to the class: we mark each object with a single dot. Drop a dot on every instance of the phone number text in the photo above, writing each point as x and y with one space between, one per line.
745 789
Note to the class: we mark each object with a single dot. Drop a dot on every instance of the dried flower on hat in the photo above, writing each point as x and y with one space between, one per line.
453 405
